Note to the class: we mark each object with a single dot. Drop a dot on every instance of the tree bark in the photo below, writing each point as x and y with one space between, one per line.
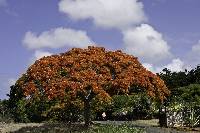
87 112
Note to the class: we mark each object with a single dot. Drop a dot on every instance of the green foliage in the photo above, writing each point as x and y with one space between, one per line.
114 129
20 112
194 75
192 119
137 106
188 94
120 101
69 113
25 110
175 80
15 95
40 108
185 93
15 103
35 110
5 115
187 99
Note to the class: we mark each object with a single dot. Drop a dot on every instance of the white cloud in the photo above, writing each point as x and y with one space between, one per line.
105 13
39 54
192 58
57 38
149 67
146 43
142 41
176 65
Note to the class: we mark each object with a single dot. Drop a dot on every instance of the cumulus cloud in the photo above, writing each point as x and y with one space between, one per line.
176 65
142 41
39 54
105 13
57 38
149 67
146 43
192 58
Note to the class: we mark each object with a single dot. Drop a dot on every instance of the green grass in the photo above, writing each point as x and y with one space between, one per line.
79 128
114 129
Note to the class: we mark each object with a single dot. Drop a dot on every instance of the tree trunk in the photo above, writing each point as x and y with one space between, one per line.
87 112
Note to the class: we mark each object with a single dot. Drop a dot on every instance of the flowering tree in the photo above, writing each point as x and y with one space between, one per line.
89 73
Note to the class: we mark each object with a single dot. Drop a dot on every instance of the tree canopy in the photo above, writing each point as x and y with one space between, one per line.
77 76
82 71
175 80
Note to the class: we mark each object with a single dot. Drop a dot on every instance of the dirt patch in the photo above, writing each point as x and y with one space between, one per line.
12 127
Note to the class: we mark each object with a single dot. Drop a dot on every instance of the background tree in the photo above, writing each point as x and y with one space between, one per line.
84 74
174 79
194 75
182 78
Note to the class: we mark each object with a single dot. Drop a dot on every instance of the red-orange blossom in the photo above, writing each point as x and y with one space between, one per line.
106 72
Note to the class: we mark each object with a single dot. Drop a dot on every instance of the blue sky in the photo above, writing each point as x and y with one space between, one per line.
161 33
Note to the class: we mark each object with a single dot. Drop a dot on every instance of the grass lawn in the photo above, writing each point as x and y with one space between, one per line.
139 126
73 128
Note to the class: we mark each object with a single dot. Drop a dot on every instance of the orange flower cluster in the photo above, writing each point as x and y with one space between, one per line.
107 73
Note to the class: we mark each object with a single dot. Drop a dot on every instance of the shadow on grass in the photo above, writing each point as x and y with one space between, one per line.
53 128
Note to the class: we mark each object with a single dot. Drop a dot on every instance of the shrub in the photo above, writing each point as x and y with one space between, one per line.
187 100
5 114
128 107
